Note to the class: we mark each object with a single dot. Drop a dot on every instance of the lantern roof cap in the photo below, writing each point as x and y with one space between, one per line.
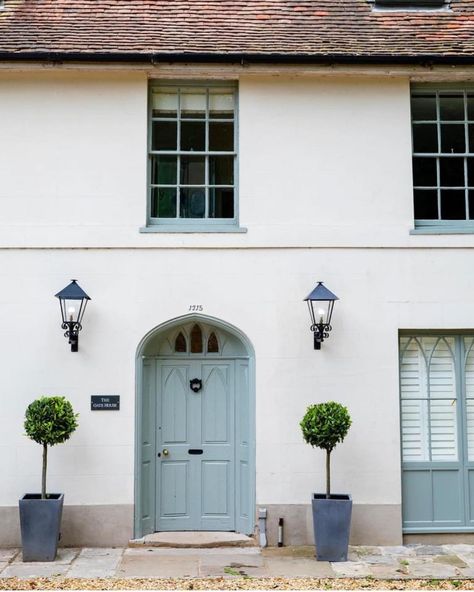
72 292
320 292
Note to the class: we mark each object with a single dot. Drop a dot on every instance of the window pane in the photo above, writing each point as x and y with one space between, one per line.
425 137
221 170
196 340
164 135
426 204
221 136
424 172
163 203
470 106
164 104
221 106
212 344
451 107
193 105
451 172
193 135
453 204
180 343
164 170
471 205
221 203
470 172
192 203
193 170
423 107
452 138
471 137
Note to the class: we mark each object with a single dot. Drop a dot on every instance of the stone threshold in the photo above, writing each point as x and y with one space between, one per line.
194 540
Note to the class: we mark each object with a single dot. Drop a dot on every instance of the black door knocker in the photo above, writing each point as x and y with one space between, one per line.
195 384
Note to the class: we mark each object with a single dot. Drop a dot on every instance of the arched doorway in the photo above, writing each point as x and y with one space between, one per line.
195 428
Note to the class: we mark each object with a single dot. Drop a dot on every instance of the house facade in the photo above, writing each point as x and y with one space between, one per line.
198 167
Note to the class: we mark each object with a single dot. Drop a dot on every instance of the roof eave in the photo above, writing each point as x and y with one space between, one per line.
239 58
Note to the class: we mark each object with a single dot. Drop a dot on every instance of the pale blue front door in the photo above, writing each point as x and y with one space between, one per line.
195 445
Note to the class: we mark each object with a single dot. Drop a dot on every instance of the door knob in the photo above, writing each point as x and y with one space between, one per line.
165 451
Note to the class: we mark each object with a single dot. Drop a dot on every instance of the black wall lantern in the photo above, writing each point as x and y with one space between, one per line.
320 305
73 302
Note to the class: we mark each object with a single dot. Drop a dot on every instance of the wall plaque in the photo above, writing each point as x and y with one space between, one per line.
105 402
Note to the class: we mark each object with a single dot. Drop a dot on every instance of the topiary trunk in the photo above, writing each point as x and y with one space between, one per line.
328 474
45 466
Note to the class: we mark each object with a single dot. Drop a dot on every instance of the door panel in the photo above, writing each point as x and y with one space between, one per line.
215 404
417 499
174 404
215 488
218 429
177 412
174 487
447 497
196 491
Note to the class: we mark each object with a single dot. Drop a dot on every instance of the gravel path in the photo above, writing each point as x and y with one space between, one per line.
231 584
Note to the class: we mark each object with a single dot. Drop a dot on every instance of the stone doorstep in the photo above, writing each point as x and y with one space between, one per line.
194 540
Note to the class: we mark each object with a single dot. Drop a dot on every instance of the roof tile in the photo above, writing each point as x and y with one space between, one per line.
314 29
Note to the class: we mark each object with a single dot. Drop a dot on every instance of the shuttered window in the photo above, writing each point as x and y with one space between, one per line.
437 432
428 392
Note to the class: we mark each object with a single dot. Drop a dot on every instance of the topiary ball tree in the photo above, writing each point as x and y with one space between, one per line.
49 421
325 425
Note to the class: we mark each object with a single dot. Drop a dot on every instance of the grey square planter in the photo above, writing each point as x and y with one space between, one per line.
40 522
332 526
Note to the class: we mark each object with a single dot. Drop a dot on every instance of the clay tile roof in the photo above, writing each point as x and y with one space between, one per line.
270 30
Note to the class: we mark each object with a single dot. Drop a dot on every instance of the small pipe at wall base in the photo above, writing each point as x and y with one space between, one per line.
280 532
262 526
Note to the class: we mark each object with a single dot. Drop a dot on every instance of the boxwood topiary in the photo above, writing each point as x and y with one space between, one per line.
325 425
49 421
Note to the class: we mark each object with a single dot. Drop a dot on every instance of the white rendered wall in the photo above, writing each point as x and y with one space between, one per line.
325 192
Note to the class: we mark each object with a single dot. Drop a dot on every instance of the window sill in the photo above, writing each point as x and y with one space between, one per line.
202 229
443 230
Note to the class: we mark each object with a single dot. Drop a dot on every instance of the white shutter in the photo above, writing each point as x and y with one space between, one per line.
428 399
443 401
414 408
469 378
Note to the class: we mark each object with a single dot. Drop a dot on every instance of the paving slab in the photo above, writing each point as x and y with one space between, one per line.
398 551
34 570
234 561
96 563
101 552
350 569
3 565
426 568
196 540
453 560
297 568
464 552
155 566
392 571
429 549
